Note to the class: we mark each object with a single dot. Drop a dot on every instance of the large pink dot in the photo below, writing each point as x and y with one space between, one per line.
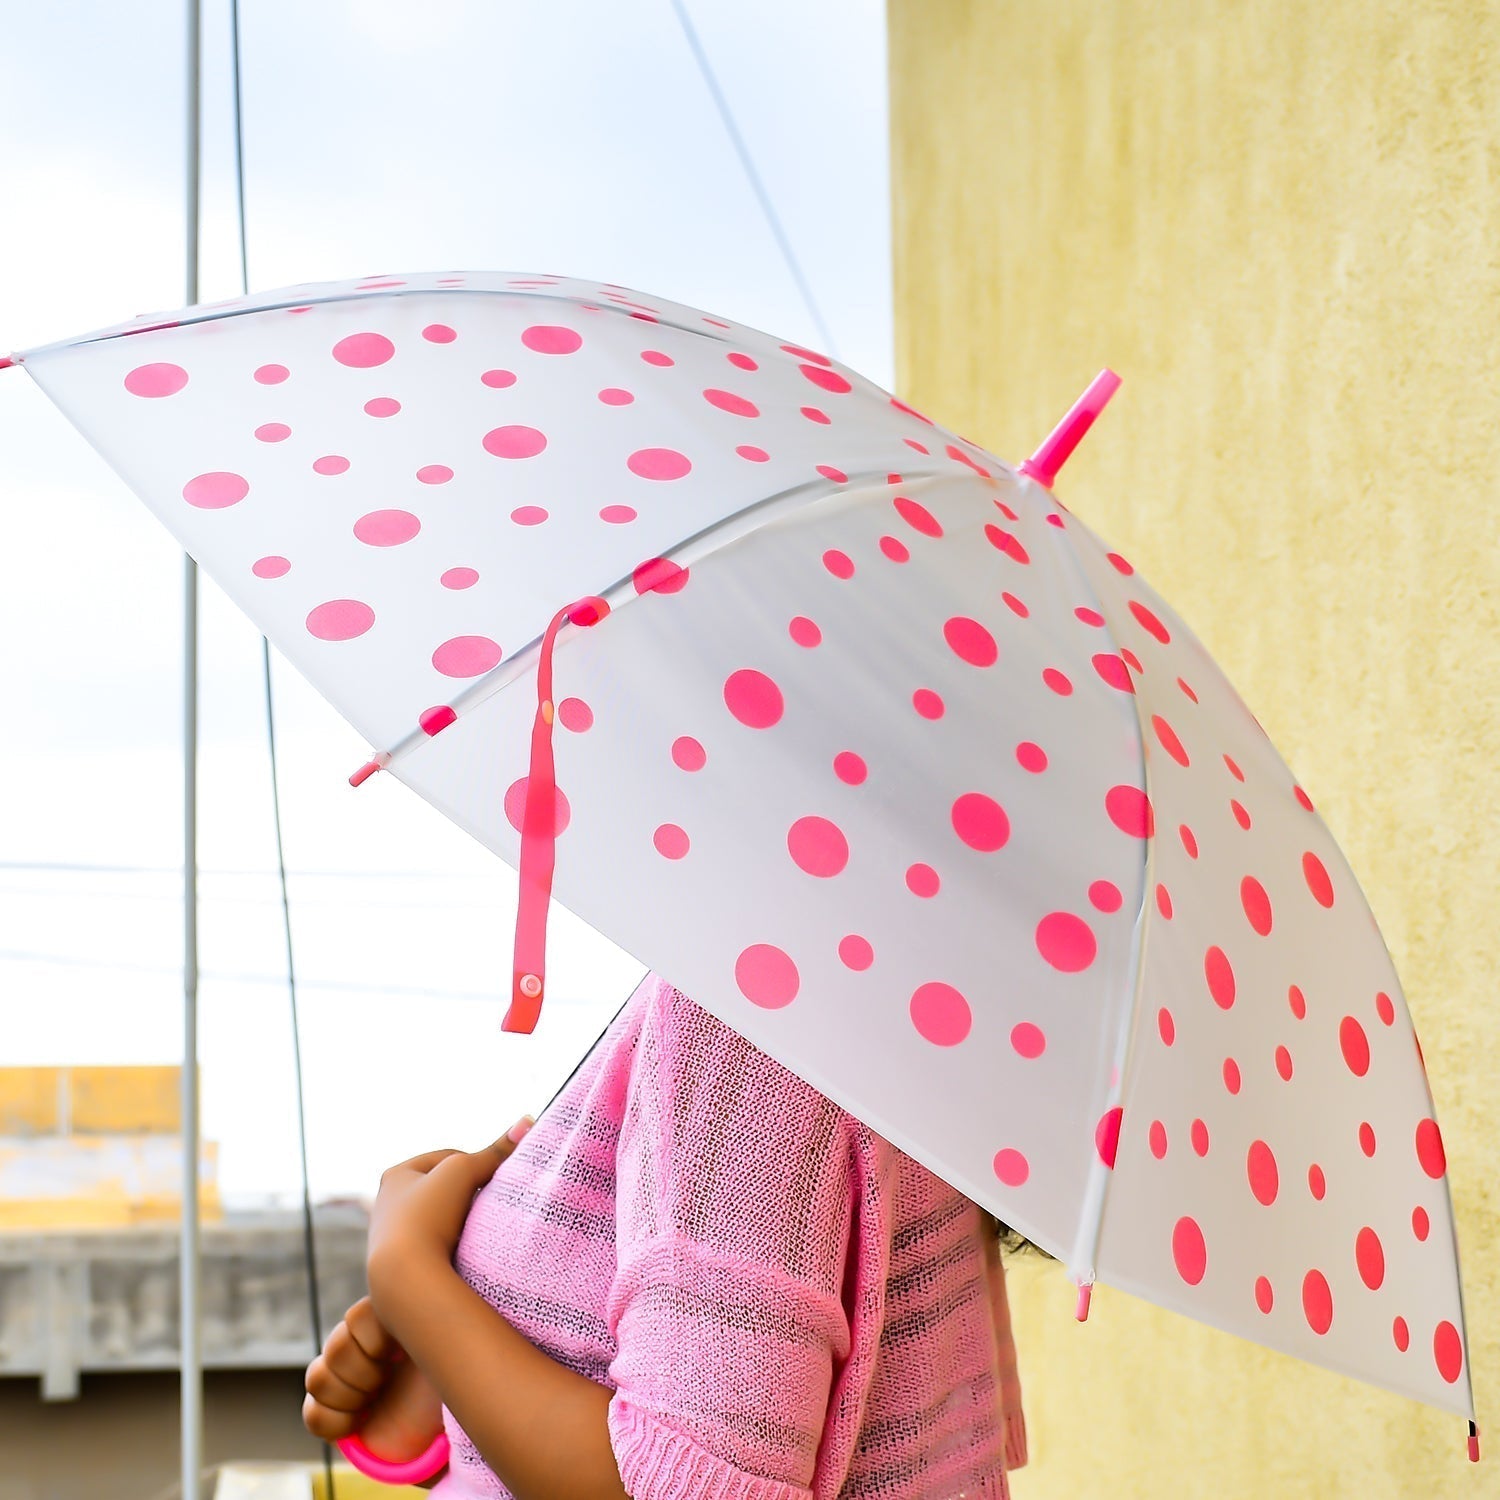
271 374
922 880
1130 810
1031 757
670 840
340 620
917 516
818 846
1113 670
896 550
363 351
387 528
1260 1167
753 699
856 953
1317 879
658 463
971 642
1220 975
1189 1251
1058 681
727 401
515 807
941 1014
1104 895
850 768
1317 1302
766 976
1029 1040
927 703
1448 1351
550 338
1257 905
156 380
838 563
1369 1256
1107 1136
216 490
271 567
980 822
1066 942
1011 1167
576 715
1430 1151
466 656
272 432
688 754
1355 1046
805 632
459 578
514 442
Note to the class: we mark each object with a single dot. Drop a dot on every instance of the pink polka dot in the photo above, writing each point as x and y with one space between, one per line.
818 846
827 380
1234 769
1057 681
1016 606
655 356
1031 757
922 880
751 453
1011 1167
813 414
363 351
1156 1138
1150 623
382 406
1130 810
576 715
1367 1138
515 807
466 656
1317 879
438 333
272 374
836 475
1260 1167
1164 902
805 632
1369 1256
1220 975
1199 1136
1107 1136
387 528
1317 1183
549 338
1241 813
897 551
1119 564
1257 905
1420 1223
1430 1153
1166 1026
1186 689
1303 798
1028 1039
216 490
980 822
1263 1294
742 361
340 620
727 401
514 442
156 380
528 515
838 563
850 768
1355 1046
1384 1009
971 642
459 578
1317 1302
658 463
856 953
1189 841
1401 1334
498 380
617 515
270 567
435 720
927 703
1168 738
1189 1252
1089 616
801 353
612 395
917 516
1113 671
273 432
1104 895
766 976
688 754
1284 1064
331 463
1231 1075
940 1014
753 699
1131 660
1007 542
670 840
660 576
434 474
1066 942
1298 1002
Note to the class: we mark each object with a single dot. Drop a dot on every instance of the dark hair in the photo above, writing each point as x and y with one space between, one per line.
1010 1239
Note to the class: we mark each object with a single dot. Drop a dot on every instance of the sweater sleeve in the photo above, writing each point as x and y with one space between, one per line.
733 1211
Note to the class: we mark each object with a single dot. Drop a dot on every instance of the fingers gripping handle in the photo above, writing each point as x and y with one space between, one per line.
413 1471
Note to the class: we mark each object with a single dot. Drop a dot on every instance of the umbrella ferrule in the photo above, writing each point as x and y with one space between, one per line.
1085 1293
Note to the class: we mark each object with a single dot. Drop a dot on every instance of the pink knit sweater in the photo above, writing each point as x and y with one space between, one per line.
787 1307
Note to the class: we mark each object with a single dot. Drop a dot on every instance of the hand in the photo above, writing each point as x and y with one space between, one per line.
362 1382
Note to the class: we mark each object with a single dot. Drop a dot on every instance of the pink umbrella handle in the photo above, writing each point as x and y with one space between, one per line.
1043 465
413 1471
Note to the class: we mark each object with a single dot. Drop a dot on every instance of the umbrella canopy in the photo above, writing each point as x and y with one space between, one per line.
875 750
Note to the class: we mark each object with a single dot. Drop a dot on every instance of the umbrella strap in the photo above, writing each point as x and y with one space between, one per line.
539 833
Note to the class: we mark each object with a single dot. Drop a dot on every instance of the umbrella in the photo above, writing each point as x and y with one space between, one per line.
853 731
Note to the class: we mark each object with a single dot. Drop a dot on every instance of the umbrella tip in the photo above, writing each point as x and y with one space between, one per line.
1043 465
1473 1443
7 360
1085 1293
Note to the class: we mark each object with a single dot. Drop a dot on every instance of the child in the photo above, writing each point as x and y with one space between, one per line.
724 1286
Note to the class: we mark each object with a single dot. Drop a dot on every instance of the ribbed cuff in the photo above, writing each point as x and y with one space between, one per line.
657 1463
1014 1427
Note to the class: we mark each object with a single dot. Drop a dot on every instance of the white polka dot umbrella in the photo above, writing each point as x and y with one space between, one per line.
871 747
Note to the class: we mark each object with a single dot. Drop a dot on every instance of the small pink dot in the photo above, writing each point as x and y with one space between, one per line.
435 720
659 575
271 567
273 432
215 491
1199 1135
1157 1139
751 453
658 463
1303 798
1263 1294
438 333
156 380
434 474
1298 1002
1257 905
1189 841
1107 1136
742 361
1028 1039
813 414
466 656
1231 1075
688 754
1219 973
1317 1184
941 1014
272 374
514 442
549 338
612 395
1430 1153
1057 681
1366 1138
727 401
655 356
1011 1167
387 528
498 380
856 953
1067 942
818 847
1130 810
1104 895
1186 689
382 406
805 632
1369 1256
670 840
459 578
828 380
850 768
917 516
1385 1009
836 475
1119 564
1420 1223
1189 1252
839 564
1008 543
1168 738
1031 757
574 714
1112 669
927 703
1241 813
970 641
895 550
340 620
1284 1064
618 515
753 699
1166 1026
331 463
1401 1334
515 807
1164 902
363 351
1234 769
767 976
980 822
528 515
1317 879
1089 616
1317 1302
1355 1046
922 880
1260 1168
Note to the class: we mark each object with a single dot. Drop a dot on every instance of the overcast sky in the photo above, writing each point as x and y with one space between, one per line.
576 137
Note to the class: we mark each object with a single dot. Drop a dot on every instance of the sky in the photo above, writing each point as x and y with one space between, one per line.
576 137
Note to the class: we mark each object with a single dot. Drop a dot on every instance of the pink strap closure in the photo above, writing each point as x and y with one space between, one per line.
539 834
1043 465
413 1471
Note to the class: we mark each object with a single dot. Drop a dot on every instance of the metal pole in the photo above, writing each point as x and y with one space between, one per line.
189 1318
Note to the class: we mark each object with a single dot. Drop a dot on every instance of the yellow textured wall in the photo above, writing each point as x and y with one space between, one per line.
1280 222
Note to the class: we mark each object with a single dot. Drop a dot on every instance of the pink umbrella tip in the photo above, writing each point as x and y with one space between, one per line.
1473 1443
7 360
1043 465
1085 1293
